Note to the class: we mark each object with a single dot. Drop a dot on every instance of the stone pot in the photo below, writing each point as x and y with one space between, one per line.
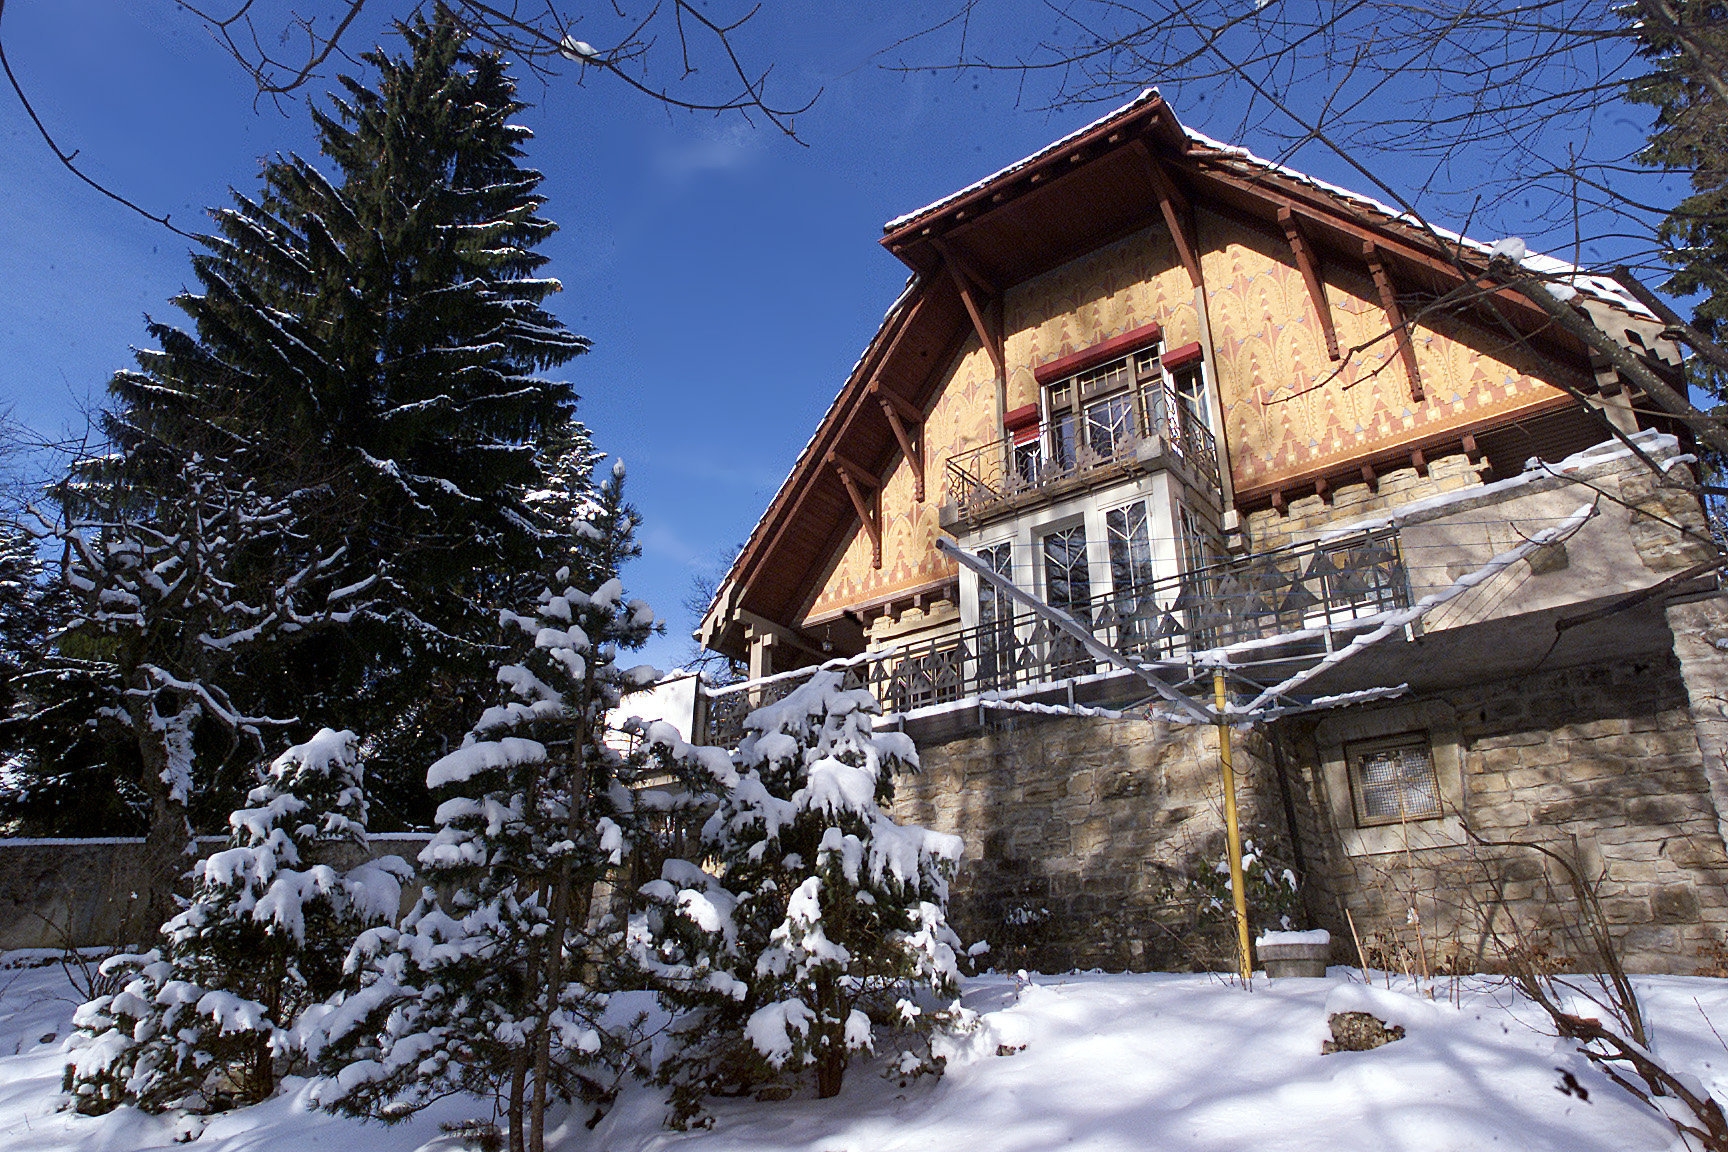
1293 959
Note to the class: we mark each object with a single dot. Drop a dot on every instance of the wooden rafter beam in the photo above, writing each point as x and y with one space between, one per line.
1178 214
869 511
1310 269
957 259
908 425
969 296
1350 229
880 353
1394 316
848 467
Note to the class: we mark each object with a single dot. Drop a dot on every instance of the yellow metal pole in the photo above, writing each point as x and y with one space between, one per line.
1233 832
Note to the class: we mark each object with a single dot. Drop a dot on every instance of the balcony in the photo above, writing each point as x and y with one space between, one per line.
996 476
1296 599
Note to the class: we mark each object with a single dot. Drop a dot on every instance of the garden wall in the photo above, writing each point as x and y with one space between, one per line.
57 893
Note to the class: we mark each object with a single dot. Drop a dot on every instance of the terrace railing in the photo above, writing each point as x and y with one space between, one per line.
1314 589
983 477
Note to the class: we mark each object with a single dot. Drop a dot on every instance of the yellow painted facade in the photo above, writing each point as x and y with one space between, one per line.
1118 288
963 417
1289 411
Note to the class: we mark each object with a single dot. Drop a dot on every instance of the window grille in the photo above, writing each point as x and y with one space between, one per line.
1130 549
1393 780
1135 609
995 620
1067 579
1110 424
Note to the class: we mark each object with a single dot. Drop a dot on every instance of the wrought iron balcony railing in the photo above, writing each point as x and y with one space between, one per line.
1315 589
983 477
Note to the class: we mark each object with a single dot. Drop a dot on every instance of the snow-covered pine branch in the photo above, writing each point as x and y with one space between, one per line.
488 985
210 1016
825 920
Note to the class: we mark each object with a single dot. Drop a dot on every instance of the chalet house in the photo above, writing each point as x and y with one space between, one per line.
1227 416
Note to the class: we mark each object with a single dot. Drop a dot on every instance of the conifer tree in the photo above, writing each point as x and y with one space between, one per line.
1686 42
823 917
489 984
211 1014
61 774
368 338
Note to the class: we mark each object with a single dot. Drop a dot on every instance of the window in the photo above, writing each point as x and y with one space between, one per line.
1110 424
1097 411
1131 577
1062 443
1130 550
1189 384
1067 579
1028 457
1393 780
995 619
1198 547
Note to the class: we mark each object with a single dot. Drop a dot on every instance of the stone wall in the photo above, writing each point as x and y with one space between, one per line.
1302 519
1599 762
84 893
1079 833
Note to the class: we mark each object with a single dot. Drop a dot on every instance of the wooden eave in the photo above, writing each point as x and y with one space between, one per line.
1093 187
812 515
1070 198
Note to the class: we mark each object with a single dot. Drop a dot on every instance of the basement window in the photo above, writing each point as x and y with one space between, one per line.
1393 780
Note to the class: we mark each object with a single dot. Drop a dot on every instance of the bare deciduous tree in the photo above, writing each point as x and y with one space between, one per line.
678 53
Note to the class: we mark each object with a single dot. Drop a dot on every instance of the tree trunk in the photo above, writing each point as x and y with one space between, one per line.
168 843
831 1011
513 1110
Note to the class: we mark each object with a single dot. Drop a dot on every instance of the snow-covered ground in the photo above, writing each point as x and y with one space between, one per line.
1088 1061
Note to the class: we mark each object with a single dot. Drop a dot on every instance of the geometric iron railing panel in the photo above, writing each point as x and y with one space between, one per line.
1269 594
983 477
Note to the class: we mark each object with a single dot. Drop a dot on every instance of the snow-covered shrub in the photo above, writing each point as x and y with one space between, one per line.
821 919
208 1017
489 984
1274 893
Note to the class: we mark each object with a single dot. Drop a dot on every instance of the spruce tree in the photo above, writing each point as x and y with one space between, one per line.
368 337
1686 42
61 774
489 985
821 918
209 1017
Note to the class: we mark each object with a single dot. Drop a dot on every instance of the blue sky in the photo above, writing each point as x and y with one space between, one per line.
727 276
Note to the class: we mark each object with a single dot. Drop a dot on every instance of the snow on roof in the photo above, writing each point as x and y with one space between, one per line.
1144 97
1603 288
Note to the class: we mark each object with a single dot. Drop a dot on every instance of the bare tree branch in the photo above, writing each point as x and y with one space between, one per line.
68 158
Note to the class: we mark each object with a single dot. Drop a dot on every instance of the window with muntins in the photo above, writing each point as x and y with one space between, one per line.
1189 384
1393 780
1100 411
1130 549
1067 579
995 617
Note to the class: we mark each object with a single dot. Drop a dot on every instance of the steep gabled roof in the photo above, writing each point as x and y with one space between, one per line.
1109 179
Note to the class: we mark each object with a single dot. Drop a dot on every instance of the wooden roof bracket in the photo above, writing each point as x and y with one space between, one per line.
969 284
1178 213
1394 316
1310 268
908 424
853 476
